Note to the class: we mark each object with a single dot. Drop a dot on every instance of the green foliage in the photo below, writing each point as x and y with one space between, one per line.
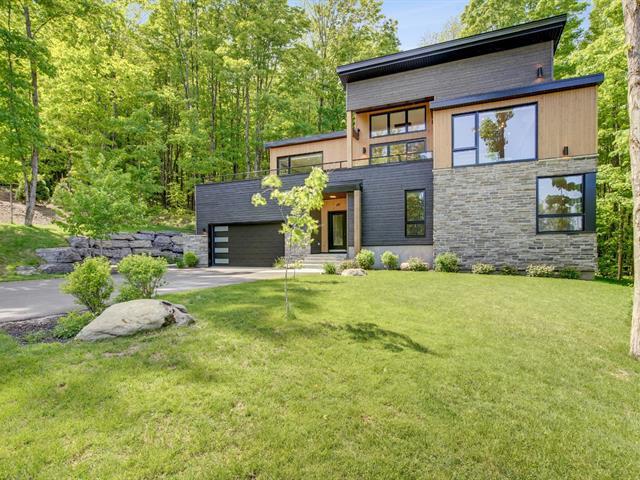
416 264
143 275
279 262
91 283
541 270
390 260
508 270
190 259
569 272
71 324
18 244
365 259
35 337
482 268
447 262
329 268
348 265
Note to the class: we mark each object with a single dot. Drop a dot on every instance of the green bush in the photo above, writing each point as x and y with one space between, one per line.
541 270
416 264
390 260
330 269
279 262
71 324
143 275
180 262
509 270
190 259
366 259
348 264
35 337
447 262
91 283
483 268
570 273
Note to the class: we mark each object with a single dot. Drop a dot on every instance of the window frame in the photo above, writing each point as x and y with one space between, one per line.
406 121
477 113
583 215
399 142
288 158
415 222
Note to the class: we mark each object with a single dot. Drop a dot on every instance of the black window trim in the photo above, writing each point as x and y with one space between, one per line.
415 222
583 215
406 121
477 113
288 158
398 142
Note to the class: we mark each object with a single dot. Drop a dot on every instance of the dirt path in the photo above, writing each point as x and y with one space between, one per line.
44 214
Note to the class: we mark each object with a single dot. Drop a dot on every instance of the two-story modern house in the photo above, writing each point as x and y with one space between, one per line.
468 146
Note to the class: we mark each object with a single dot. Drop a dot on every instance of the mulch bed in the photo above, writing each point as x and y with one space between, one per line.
22 329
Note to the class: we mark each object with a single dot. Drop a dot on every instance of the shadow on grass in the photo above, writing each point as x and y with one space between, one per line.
370 332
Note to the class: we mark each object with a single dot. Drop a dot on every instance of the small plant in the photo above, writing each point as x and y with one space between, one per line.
447 262
347 265
416 264
366 259
180 262
71 324
190 259
390 260
509 270
91 283
143 275
279 262
330 269
483 268
541 270
570 273
35 337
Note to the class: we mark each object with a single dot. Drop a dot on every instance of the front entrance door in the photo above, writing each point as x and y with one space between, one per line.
337 231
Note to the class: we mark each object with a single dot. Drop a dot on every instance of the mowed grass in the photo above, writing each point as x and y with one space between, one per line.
396 375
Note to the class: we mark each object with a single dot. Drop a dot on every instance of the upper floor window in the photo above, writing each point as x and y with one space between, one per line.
299 163
491 136
399 121
398 152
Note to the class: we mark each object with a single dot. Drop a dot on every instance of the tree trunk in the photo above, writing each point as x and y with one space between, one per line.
247 121
631 10
30 187
11 203
620 252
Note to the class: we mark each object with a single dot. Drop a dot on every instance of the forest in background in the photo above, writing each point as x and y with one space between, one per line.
159 95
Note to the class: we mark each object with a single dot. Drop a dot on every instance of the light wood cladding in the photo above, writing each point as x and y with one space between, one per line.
333 151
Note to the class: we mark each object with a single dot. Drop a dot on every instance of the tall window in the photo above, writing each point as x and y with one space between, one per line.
492 136
299 163
398 152
399 121
415 212
561 206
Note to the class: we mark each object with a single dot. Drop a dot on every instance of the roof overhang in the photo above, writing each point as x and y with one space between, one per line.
306 139
548 29
545 87
343 187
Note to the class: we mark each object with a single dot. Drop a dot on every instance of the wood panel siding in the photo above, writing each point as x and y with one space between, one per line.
511 68
334 150
567 118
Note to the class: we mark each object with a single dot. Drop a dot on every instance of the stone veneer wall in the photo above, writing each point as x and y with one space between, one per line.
487 214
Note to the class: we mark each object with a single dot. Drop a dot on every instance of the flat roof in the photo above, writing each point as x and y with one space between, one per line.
548 29
544 87
306 139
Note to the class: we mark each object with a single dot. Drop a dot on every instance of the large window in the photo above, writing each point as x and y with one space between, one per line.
561 205
299 163
399 121
415 212
398 152
491 136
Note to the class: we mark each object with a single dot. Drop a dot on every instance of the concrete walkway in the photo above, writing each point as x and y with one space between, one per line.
38 298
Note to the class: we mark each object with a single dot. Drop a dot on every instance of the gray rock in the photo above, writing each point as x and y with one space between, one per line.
404 266
169 233
26 270
178 240
144 236
121 236
140 244
162 242
59 255
353 272
167 254
116 252
56 268
128 318
177 249
154 252
78 242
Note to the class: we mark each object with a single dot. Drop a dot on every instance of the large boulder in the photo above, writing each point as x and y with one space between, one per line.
162 242
78 242
121 236
26 270
353 272
144 236
178 240
56 268
59 255
140 243
128 318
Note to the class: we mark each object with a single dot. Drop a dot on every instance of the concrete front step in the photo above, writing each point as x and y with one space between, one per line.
319 259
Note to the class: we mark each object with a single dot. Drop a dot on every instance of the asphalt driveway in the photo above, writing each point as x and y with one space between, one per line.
39 298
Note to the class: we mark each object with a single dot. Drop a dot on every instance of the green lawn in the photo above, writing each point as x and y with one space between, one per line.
396 375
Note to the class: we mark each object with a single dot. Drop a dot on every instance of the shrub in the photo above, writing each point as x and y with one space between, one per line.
348 264
71 324
330 269
366 259
35 337
390 260
570 273
190 259
483 268
143 275
509 270
279 262
447 262
416 264
540 270
180 262
91 283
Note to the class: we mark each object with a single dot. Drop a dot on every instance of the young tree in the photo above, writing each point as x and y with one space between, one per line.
296 206
632 29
